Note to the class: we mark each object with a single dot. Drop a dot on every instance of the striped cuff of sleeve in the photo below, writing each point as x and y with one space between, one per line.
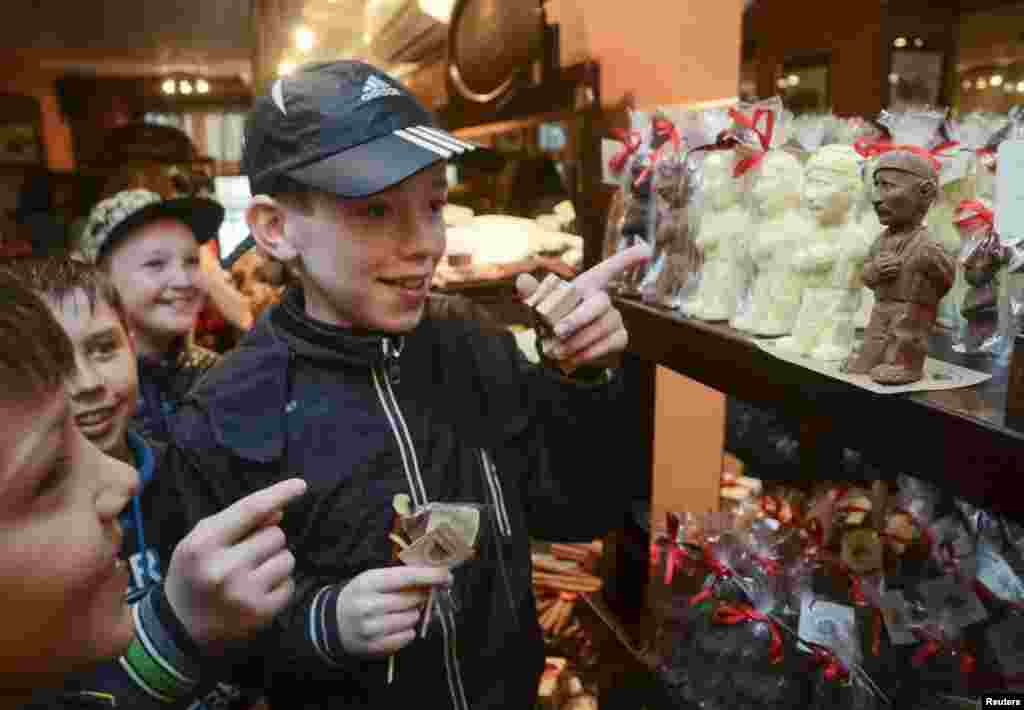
154 661
322 625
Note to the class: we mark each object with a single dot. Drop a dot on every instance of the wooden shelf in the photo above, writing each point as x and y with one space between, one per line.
959 439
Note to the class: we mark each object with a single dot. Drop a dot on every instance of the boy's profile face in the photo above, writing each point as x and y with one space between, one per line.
104 390
155 271
62 584
369 262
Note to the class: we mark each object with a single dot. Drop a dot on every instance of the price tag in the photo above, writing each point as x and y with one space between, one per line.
1009 209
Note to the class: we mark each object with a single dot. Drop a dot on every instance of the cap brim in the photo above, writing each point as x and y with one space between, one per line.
201 215
382 163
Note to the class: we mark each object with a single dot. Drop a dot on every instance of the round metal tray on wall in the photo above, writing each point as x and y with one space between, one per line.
492 46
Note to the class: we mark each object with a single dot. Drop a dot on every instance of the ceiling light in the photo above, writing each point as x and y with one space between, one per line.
1020 87
894 78
996 80
793 80
169 87
202 86
304 39
900 42
918 42
981 84
285 68
1009 87
185 87
440 10
966 84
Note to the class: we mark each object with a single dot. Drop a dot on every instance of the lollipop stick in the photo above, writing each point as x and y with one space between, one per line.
426 614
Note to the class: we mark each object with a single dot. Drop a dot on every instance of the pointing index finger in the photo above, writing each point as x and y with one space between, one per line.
241 518
597 277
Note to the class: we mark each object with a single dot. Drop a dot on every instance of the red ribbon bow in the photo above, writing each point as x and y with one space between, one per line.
834 670
662 129
972 215
731 614
631 142
753 123
933 645
718 571
869 149
856 583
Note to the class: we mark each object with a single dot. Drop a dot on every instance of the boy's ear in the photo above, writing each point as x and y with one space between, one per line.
266 219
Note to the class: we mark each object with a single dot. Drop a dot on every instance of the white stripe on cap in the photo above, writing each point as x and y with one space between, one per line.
448 137
277 94
410 138
441 140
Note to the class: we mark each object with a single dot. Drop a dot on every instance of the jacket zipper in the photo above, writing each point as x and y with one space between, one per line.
504 525
383 378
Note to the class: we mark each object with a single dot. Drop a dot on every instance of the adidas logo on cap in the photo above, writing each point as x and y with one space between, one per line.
375 88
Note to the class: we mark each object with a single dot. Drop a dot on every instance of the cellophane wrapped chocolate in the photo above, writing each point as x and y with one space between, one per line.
780 227
906 531
672 273
631 216
831 638
982 260
722 200
727 648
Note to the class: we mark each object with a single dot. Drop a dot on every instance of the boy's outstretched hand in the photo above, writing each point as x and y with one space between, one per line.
378 611
592 334
231 575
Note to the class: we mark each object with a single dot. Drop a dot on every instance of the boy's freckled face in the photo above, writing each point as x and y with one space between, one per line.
369 262
60 579
155 270
105 387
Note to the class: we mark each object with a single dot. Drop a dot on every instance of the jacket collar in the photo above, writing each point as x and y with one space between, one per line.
308 337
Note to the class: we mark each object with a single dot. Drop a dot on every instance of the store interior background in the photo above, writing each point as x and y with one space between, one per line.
88 67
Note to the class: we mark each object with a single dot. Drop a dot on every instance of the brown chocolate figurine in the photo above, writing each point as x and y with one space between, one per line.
908 271
674 244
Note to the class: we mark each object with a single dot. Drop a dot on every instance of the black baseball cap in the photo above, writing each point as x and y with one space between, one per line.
346 128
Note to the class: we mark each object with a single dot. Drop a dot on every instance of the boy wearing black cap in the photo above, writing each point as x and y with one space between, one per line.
367 386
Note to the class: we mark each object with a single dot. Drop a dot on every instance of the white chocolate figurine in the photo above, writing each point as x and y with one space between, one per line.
780 232
830 265
724 225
